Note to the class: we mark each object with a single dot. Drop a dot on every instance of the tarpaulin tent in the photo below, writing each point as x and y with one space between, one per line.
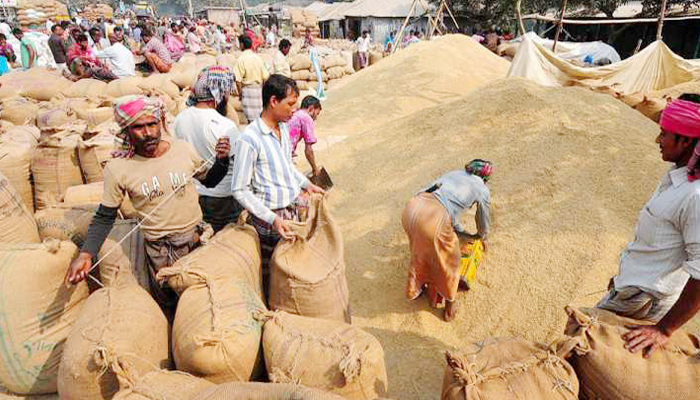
588 52
654 68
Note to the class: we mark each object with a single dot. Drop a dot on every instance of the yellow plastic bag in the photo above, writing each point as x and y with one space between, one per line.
472 254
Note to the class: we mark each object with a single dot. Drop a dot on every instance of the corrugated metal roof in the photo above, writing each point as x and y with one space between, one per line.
384 8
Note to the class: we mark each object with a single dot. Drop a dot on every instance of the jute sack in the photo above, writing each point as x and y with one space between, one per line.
264 391
606 370
15 164
162 82
45 88
19 133
54 115
16 221
215 334
375 57
119 324
124 87
38 311
88 88
307 274
328 355
299 62
508 369
91 195
94 154
18 110
301 75
95 116
160 385
65 222
55 167
13 396
185 79
303 85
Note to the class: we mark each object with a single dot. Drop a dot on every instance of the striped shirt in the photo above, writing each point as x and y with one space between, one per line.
264 178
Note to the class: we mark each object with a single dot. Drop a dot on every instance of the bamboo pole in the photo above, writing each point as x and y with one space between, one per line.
560 25
662 14
399 37
519 14
447 7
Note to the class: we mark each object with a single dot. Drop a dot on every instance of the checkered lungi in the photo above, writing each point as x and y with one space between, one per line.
252 102
633 302
269 236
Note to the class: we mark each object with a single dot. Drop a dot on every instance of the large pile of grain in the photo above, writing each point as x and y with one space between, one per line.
573 169
423 75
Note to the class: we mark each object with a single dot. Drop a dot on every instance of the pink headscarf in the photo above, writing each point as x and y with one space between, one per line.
127 110
682 117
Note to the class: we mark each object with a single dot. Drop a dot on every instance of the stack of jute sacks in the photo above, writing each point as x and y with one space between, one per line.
303 20
36 12
93 12
588 362
82 343
334 66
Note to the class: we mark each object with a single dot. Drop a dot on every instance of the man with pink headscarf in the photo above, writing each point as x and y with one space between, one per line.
156 174
659 278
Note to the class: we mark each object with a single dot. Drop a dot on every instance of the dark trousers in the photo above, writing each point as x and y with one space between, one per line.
219 211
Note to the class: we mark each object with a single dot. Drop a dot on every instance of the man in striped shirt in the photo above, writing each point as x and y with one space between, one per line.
265 182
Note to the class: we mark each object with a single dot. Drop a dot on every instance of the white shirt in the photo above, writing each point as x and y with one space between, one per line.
104 43
202 128
270 39
281 65
121 58
666 248
363 44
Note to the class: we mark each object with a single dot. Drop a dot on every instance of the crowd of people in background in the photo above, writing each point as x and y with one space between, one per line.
108 49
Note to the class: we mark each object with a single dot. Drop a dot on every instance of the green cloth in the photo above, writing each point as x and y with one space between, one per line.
24 46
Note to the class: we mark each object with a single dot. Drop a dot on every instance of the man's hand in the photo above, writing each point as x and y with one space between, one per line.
645 338
223 148
283 229
79 268
316 172
314 189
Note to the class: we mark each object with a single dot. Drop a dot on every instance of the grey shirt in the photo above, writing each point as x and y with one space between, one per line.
457 192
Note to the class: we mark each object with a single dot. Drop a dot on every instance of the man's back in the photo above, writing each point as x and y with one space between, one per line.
202 128
250 69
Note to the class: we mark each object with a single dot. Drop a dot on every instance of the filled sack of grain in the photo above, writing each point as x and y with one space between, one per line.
55 167
159 385
299 62
606 370
160 83
38 311
18 110
95 116
15 164
27 134
375 57
45 88
54 115
119 324
264 391
301 75
328 355
65 222
499 368
94 154
91 195
17 224
87 88
185 79
650 107
215 334
124 87
307 274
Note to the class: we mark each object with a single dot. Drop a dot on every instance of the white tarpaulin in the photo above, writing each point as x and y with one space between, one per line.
654 68
588 52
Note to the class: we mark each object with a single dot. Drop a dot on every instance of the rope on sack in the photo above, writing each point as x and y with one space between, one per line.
149 215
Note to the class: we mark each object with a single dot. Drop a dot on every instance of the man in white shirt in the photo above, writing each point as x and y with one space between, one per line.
280 63
270 38
659 278
120 58
202 125
363 43
98 42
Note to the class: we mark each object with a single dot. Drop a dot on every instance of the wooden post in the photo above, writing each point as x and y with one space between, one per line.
245 20
438 17
560 25
399 37
662 14
447 7
519 14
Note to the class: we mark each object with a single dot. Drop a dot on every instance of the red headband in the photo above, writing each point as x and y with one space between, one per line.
682 117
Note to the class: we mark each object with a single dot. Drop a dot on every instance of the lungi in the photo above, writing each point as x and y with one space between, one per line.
633 302
363 59
219 211
252 102
164 252
435 252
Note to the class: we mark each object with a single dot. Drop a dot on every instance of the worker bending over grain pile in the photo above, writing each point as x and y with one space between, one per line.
431 221
150 171
265 181
659 278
